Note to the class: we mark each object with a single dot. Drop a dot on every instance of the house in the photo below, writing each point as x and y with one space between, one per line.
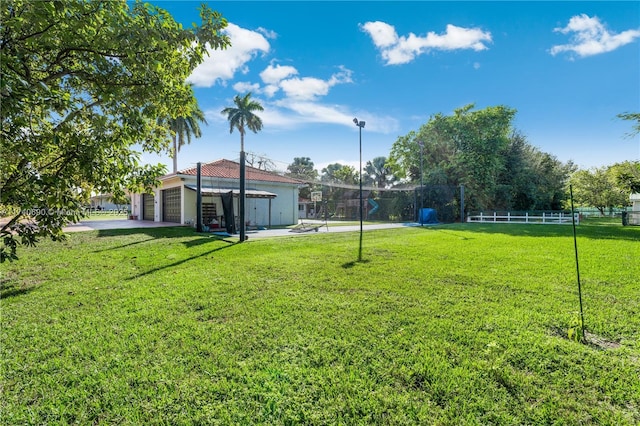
634 215
105 202
271 199
306 209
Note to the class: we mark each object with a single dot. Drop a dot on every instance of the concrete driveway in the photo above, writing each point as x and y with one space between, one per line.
95 225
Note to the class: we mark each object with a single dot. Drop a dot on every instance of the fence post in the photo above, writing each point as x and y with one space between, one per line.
481 219
494 217
543 218
526 216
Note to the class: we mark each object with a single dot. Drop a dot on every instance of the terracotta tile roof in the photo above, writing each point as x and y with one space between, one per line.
227 169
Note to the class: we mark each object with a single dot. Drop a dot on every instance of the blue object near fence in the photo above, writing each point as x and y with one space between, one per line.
428 216
375 208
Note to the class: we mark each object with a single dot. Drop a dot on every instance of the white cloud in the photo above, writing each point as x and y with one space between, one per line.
273 75
244 86
309 88
294 112
222 65
304 88
382 34
590 37
270 90
403 49
267 33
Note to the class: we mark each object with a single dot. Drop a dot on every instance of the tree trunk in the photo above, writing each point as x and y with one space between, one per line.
175 156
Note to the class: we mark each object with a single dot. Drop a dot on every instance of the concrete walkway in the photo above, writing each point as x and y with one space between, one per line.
95 225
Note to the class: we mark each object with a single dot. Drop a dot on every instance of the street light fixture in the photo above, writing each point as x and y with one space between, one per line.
360 125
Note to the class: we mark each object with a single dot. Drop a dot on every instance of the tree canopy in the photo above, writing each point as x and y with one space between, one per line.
303 168
182 128
597 188
83 85
481 150
635 118
378 173
242 116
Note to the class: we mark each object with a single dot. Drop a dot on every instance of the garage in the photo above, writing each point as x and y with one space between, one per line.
171 205
148 208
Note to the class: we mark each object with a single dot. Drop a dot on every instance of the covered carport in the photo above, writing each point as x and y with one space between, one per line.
211 212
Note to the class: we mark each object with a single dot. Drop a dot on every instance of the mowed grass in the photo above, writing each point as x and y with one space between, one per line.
450 325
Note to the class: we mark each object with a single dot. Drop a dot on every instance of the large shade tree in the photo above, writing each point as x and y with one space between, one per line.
83 83
626 176
482 151
597 188
242 116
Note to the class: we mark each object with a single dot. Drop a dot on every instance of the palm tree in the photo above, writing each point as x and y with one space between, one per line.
182 128
378 172
242 117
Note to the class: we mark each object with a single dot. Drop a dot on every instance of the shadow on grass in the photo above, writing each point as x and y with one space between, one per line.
9 289
584 230
161 232
180 262
156 233
353 263
124 245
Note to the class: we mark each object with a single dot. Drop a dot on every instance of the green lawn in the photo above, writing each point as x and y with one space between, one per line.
456 324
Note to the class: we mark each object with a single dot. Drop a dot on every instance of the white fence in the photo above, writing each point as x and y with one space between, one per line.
546 218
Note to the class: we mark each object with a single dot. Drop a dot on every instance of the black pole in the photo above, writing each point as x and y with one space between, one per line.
575 246
462 204
242 196
360 125
199 197
421 187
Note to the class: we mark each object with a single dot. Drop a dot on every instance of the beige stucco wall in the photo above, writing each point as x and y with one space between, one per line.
284 208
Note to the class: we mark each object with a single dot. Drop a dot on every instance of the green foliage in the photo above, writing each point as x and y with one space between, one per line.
242 116
626 175
302 168
481 150
82 84
339 173
453 325
574 331
378 172
182 127
598 188
633 117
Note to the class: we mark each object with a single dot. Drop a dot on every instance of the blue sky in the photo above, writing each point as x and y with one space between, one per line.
568 68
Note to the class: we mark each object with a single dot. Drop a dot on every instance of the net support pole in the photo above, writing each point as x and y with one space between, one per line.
461 203
199 197
575 247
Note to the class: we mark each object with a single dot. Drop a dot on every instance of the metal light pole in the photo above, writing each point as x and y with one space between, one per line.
360 125
241 198
421 145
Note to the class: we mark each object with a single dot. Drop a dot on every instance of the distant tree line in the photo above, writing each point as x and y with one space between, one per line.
481 150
